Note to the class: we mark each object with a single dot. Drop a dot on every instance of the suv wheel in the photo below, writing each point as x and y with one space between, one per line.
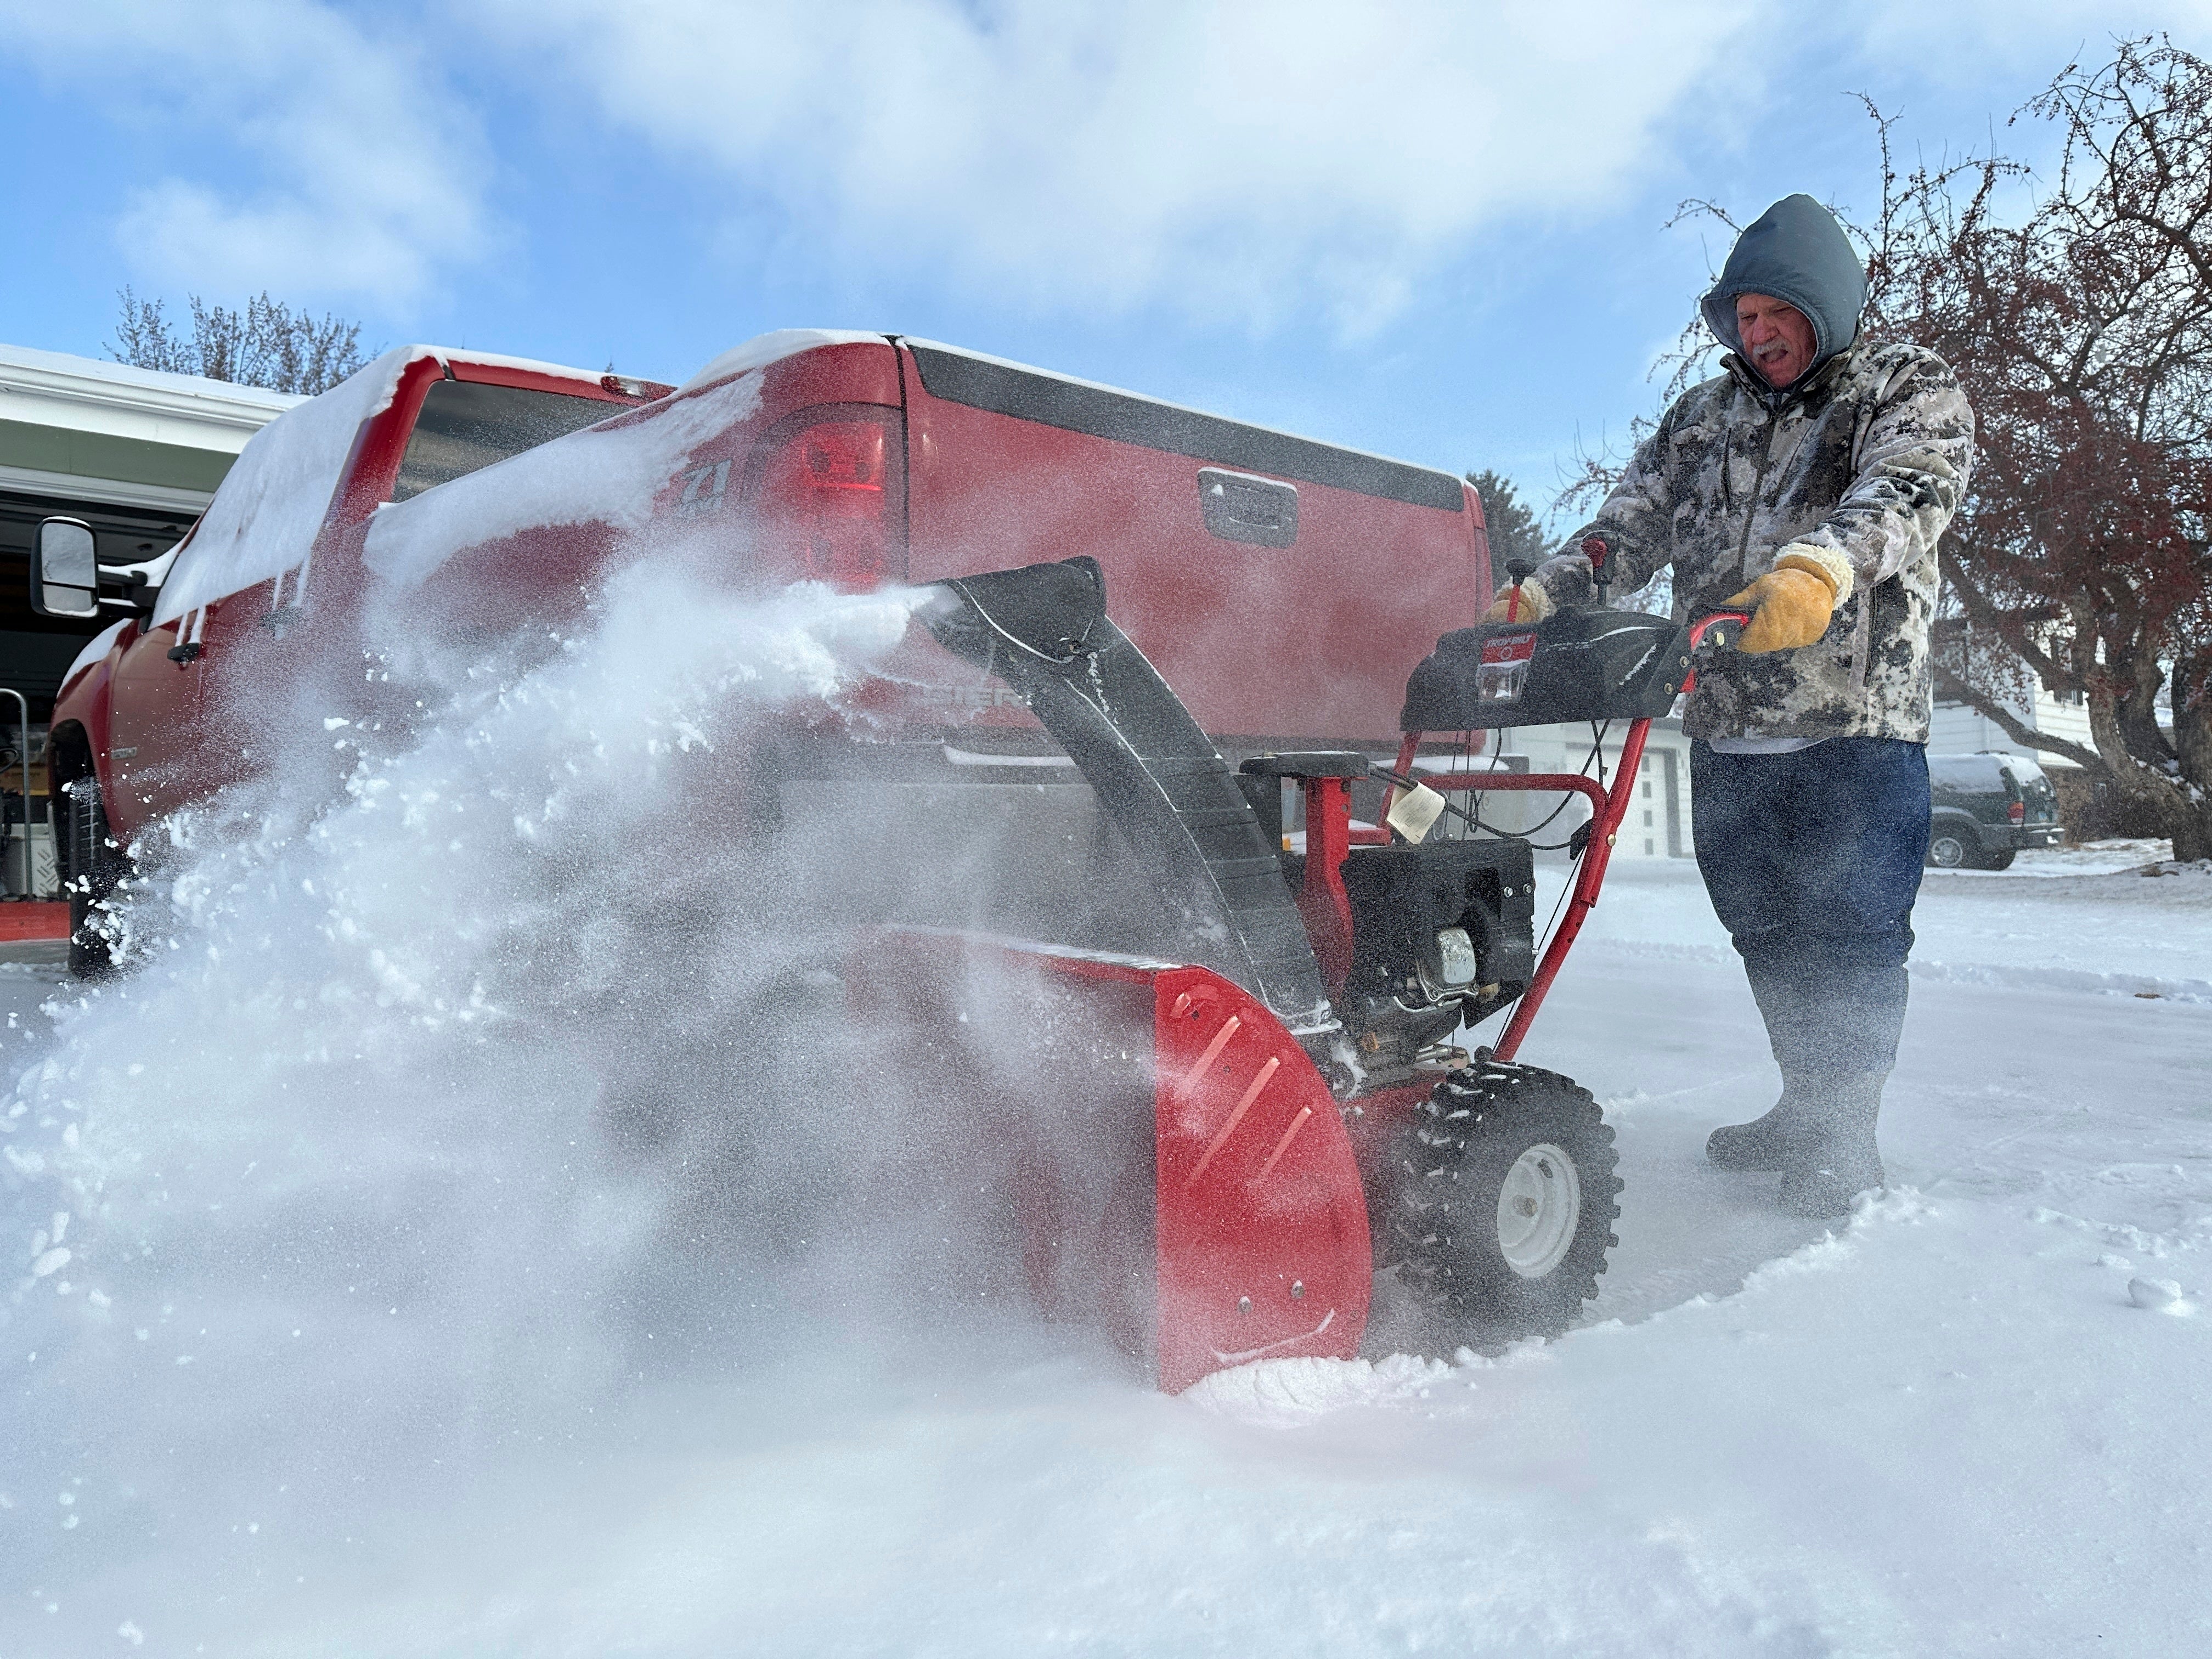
1947 849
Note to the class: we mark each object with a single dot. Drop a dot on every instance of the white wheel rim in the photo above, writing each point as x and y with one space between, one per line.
1537 1210
1950 851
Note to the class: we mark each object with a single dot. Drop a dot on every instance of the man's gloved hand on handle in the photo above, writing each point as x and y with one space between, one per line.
1791 604
1521 600
1532 605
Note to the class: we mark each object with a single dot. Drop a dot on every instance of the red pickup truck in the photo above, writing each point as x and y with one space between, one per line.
1286 588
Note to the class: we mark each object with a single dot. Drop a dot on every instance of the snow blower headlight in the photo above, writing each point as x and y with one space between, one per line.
1448 965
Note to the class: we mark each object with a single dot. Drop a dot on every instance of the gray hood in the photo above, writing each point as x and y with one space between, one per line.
1797 253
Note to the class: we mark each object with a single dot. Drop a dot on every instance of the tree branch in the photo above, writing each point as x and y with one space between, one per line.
1958 690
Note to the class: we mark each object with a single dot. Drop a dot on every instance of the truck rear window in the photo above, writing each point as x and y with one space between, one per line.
463 427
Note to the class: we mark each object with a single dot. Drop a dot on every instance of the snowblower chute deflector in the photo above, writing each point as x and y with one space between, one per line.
1211 1153
1043 630
1200 1087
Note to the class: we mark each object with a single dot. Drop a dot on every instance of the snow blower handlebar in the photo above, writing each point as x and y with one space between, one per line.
1722 630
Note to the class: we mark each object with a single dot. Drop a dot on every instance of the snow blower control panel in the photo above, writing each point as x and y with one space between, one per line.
1584 664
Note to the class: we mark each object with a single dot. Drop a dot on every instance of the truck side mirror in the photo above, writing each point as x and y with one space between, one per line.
65 570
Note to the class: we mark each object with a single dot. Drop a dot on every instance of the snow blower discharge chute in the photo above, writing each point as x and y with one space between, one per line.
1243 1130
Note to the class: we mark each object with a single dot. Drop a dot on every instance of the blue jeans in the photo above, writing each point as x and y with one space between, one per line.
1812 860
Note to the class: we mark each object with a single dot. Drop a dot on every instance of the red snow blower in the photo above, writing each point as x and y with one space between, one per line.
1215 1147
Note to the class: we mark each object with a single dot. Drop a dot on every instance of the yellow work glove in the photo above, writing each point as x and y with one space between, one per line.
1535 604
1791 604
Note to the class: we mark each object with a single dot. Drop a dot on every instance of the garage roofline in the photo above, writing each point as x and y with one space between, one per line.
83 394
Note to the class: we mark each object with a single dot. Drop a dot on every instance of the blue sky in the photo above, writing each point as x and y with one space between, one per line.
1431 230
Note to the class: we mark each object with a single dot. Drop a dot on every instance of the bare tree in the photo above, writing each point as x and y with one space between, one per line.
2082 330
265 344
142 338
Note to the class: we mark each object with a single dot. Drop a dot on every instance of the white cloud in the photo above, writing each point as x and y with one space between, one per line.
1264 157
368 185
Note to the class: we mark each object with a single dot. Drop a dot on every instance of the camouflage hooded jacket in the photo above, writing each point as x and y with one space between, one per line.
1868 455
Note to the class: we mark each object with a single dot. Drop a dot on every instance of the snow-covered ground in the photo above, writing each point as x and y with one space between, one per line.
2086 918
397 1378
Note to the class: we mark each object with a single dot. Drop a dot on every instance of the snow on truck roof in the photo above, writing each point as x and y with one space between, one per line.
604 474
264 519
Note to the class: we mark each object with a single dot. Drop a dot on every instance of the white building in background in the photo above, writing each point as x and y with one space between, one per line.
1959 730
135 454
1657 824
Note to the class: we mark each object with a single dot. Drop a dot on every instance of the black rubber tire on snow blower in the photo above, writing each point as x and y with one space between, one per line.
1457 1233
95 867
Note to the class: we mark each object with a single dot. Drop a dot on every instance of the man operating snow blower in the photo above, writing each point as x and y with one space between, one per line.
1808 484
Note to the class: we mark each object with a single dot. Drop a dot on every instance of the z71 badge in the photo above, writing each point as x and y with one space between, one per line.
703 488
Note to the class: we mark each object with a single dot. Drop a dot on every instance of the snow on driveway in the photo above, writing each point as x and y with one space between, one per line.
1944 1426
2066 919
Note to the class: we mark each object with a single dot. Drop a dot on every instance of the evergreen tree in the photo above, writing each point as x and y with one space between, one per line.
1515 532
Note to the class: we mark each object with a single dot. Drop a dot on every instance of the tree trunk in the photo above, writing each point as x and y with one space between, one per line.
2193 747
2183 809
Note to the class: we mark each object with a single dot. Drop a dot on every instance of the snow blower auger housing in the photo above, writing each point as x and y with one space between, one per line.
1242 1133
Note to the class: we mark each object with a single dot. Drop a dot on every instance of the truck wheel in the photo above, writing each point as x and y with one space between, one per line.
1504 1206
1999 859
94 869
1947 850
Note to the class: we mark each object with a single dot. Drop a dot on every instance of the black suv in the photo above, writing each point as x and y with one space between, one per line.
1987 807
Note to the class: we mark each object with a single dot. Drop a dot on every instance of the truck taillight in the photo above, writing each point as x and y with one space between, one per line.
830 506
2017 811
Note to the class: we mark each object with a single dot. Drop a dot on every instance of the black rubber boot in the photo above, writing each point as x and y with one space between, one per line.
1836 1160
1765 1143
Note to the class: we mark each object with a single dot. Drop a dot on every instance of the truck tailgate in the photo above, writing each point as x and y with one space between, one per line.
1291 605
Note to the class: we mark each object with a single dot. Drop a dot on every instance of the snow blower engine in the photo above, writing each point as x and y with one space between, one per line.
1242 1131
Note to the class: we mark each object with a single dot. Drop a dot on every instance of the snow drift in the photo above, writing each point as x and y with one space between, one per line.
426 1120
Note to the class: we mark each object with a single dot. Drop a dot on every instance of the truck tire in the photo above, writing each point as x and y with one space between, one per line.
1504 1206
1999 859
93 869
